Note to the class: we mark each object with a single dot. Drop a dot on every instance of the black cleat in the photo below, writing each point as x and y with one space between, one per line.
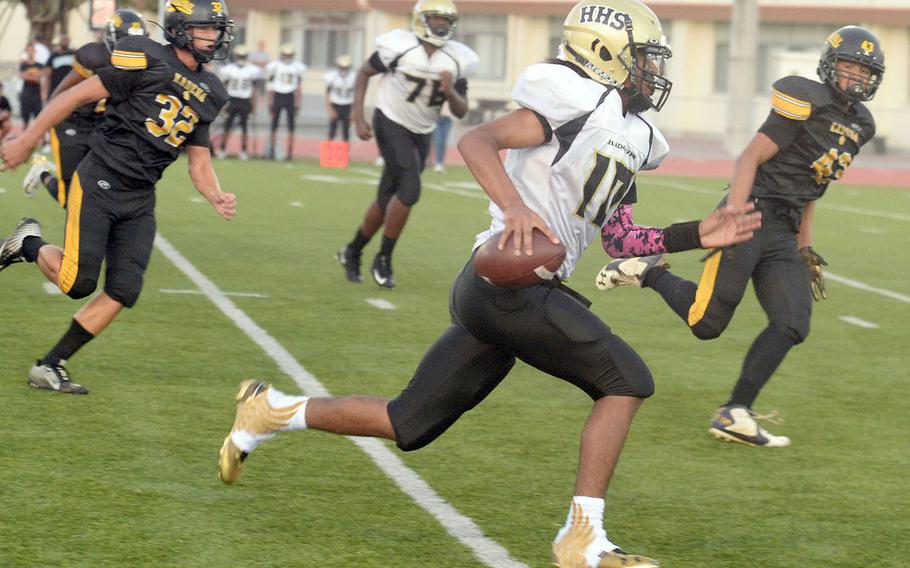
382 271
350 260
11 246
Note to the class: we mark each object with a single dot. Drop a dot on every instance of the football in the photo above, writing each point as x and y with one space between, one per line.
504 269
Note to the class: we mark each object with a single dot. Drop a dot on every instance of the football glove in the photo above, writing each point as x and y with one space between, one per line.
815 262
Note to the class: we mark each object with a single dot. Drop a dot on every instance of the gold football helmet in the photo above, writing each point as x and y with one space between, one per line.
439 32
619 43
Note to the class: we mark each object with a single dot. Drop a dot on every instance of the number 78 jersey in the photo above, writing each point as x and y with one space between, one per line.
409 90
588 163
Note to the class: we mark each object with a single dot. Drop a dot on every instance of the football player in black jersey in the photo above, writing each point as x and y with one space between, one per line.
70 138
812 134
160 99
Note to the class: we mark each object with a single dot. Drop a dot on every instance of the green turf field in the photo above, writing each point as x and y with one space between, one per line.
126 476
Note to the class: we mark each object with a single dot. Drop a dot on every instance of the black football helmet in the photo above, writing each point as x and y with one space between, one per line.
122 23
181 15
853 43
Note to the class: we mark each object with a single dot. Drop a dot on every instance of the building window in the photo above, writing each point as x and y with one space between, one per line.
487 36
782 49
320 37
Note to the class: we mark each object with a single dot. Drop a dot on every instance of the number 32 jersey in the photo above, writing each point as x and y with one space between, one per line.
409 90
818 137
588 163
156 106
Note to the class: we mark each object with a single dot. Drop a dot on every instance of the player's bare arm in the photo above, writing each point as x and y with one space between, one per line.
15 151
364 130
760 150
480 148
457 103
206 182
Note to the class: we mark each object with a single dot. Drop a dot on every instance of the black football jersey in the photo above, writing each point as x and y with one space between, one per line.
156 105
87 60
819 137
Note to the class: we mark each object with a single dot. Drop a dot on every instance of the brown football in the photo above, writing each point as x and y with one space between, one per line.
504 269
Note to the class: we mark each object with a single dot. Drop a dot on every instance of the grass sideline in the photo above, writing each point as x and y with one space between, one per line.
126 476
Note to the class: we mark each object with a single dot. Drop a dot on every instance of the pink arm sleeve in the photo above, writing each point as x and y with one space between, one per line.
622 238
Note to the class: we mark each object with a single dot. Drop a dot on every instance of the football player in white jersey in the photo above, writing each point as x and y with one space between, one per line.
339 97
285 78
421 70
239 77
574 148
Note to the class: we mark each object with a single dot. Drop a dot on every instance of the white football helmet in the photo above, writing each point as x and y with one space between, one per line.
437 34
619 43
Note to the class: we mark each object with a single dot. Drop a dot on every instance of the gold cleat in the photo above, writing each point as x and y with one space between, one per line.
256 419
569 551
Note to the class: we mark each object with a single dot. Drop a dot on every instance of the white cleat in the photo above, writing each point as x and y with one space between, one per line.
571 549
736 423
32 180
628 271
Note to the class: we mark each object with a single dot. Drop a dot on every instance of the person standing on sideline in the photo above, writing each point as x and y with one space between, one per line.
60 62
34 86
339 96
441 141
160 98
422 69
812 134
574 148
285 79
239 78
70 139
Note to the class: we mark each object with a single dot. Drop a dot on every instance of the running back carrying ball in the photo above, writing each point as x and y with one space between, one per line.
507 270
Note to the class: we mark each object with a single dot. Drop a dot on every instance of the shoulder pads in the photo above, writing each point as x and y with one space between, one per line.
794 97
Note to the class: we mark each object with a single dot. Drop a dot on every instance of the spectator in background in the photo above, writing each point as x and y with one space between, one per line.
238 77
441 140
285 77
6 115
34 87
42 53
339 96
60 62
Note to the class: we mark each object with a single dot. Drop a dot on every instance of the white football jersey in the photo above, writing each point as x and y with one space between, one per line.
409 92
340 87
284 77
238 79
576 179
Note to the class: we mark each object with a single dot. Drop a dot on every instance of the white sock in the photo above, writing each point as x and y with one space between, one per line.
278 399
593 509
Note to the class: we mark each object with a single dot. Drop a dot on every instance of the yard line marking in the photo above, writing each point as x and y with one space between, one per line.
463 185
381 304
296 204
325 179
364 171
867 288
872 231
461 527
2 190
858 322
462 192
198 292
197 199
831 206
51 289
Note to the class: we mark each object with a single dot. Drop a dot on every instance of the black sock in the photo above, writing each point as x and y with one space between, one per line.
46 178
388 244
764 357
31 246
75 337
360 241
677 292
53 187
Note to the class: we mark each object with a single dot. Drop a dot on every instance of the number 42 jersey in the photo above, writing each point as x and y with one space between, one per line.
588 162
156 106
409 90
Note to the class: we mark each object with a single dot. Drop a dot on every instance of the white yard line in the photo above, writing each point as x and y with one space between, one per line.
461 527
858 322
199 292
867 288
380 303
51 289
